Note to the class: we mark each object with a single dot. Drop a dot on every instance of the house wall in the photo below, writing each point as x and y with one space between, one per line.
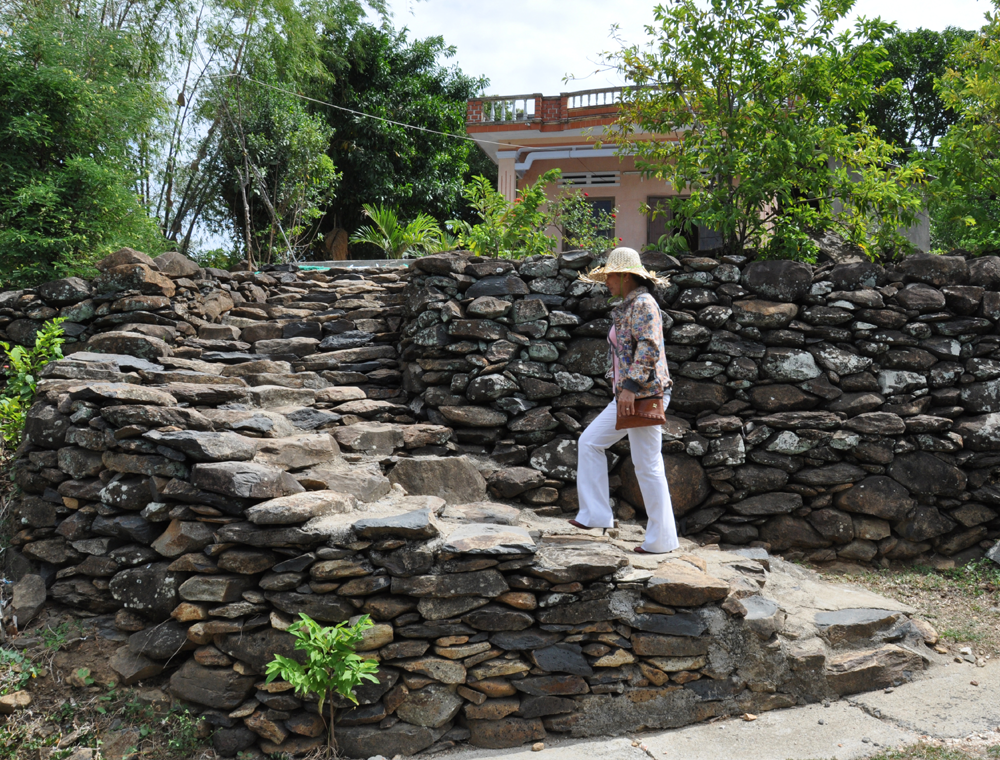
629 196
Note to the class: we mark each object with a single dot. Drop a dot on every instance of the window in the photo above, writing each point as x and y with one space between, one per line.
591 179
607 205
659 224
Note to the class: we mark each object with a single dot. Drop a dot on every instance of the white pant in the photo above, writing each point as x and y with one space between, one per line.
592 478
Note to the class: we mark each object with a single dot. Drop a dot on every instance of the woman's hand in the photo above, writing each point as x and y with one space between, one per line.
626 404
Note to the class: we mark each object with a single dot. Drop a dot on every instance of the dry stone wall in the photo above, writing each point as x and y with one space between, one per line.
221 451
842 411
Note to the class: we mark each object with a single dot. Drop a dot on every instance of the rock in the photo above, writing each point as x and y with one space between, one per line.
679 583
325 608
789 364
370 437
206 447
878 496
556 459
244 479
473 416
44 426
402 738
513 481
229 742
486 388
505 733
562 658
160 642
487 539
133 277
768 504
871 669
586 356
212 687
485 583
432 706
924 473
151 590
935 270
877 423
18 700
300 507
781 397
578 561
488 307
28 599
176 265
418 524
923 523
454 479
764 314
134 344
505 285
778 280
219 589
183 537
784 531
64 292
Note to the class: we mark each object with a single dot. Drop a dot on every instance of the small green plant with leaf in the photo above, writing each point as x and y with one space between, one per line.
21 366
394 238
16 670
331 668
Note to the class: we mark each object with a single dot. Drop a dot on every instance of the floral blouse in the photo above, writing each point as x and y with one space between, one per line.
638 347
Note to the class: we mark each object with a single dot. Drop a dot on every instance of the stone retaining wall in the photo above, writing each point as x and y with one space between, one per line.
221 451
845 411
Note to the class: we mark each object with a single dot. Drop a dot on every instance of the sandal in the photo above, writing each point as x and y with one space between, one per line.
640 550
580 525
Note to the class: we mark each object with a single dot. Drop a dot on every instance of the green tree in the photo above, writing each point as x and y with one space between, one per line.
915 116
752 93
69 166
384 73
965 194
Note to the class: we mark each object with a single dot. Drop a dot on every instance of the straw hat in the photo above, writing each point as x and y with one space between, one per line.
622 261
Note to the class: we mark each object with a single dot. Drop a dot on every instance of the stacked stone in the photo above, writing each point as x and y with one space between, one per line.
207 483
206 546
845 410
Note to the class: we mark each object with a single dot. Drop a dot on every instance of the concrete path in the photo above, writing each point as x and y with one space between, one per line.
942 705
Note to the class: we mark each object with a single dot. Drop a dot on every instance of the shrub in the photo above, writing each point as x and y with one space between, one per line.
22 366
331 665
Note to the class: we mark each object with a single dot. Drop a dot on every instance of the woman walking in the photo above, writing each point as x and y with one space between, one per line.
639 371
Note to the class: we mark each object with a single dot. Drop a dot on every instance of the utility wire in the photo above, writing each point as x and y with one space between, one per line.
368 115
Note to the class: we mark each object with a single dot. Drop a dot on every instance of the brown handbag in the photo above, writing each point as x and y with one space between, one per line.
648 412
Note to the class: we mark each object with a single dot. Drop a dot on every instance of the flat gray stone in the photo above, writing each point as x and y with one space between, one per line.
420 524
485 538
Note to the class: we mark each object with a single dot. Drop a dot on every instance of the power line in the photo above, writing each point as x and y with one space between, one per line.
369 115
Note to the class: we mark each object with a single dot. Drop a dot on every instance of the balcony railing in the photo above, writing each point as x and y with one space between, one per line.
607 96
508 108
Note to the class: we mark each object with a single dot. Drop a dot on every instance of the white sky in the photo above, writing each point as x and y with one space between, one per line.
528 46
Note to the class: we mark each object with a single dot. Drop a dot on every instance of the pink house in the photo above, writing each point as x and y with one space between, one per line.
527 135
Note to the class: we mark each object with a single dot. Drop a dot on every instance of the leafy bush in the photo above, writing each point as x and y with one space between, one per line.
506 229
583 227
394 239
331 665
22 366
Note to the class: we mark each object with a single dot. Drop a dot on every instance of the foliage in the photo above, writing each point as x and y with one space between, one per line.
269 162
672 244
754 90
421 235
965 208
381 71
16 670
21 367
583 227
507 229
915 116
332 667
69 166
